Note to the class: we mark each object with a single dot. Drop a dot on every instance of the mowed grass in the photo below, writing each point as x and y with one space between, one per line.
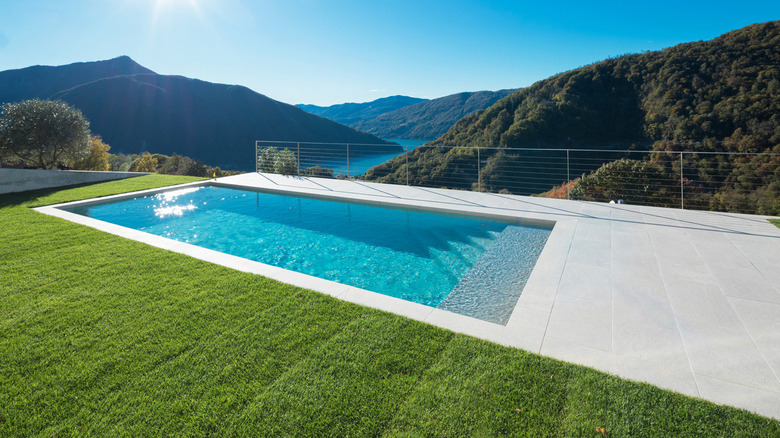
103 336
776 222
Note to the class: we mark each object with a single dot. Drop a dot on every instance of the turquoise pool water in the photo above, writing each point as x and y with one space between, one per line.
426 258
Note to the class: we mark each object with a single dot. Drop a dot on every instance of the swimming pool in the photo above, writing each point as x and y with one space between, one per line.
475 267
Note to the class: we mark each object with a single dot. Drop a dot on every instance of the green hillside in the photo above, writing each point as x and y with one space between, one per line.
717 95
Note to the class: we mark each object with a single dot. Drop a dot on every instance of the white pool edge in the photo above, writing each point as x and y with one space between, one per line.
528 338
577 315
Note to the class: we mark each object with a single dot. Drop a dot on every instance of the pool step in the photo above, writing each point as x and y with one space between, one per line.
491 288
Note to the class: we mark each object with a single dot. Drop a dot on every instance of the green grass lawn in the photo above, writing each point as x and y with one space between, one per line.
776 222
103 336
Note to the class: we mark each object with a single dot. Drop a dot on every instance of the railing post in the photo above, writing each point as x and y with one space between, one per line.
682 185
257 165
479 172
568 177
347 160
406 154
298 159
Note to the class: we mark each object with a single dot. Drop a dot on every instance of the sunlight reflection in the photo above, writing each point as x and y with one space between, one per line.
164 209
173 210
171 196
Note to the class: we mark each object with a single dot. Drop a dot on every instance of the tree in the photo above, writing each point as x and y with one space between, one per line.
147 163
42 133
265 161
191 167
97 156
272 160
284 163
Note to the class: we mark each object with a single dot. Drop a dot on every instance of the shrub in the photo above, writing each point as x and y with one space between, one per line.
147 163
634 181
97 157
272 160
285 163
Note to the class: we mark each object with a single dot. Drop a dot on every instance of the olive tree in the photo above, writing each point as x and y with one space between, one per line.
42 133
272 160
285 163
265 161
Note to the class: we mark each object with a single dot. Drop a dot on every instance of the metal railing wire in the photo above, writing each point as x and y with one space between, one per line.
705 180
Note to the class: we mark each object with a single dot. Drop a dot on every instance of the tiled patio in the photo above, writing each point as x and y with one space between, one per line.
685 300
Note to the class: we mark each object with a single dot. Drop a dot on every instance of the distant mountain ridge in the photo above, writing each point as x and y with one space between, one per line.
41 81
431 118
410 118
137 110
350 113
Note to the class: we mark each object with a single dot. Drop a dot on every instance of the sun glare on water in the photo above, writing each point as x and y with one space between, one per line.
173 210
165 209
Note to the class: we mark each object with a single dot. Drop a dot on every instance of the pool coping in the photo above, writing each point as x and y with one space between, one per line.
644 293
439 317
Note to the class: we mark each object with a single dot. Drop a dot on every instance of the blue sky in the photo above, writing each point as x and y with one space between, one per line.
334 51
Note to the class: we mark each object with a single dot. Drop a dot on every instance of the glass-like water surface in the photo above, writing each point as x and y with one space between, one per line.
416 256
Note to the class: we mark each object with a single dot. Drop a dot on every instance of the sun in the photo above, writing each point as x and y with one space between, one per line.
176 4
163 7
165 10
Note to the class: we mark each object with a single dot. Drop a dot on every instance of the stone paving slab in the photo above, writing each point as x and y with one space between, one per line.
685 300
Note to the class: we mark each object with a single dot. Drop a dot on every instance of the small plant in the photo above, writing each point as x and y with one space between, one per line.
272 160
265 160
318 171
284 163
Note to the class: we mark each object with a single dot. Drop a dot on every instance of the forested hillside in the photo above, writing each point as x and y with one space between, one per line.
717 95
429 119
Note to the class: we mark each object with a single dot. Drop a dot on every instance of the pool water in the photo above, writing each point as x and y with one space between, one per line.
432 259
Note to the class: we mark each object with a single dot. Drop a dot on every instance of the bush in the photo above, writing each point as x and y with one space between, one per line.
265 160
285 163
97 157
634 181
318 171
272 160
147 163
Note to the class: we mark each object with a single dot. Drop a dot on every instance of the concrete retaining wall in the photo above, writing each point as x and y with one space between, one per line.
20 180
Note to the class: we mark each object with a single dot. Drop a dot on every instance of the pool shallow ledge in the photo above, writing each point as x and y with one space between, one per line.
524 329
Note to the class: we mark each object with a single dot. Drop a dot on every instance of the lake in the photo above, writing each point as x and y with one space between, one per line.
359 165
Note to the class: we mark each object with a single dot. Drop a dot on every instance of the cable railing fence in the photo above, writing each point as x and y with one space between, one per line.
723 181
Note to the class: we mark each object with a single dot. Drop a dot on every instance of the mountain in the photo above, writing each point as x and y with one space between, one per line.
431 118
136 110
718 95
349 113
43 81
682 94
